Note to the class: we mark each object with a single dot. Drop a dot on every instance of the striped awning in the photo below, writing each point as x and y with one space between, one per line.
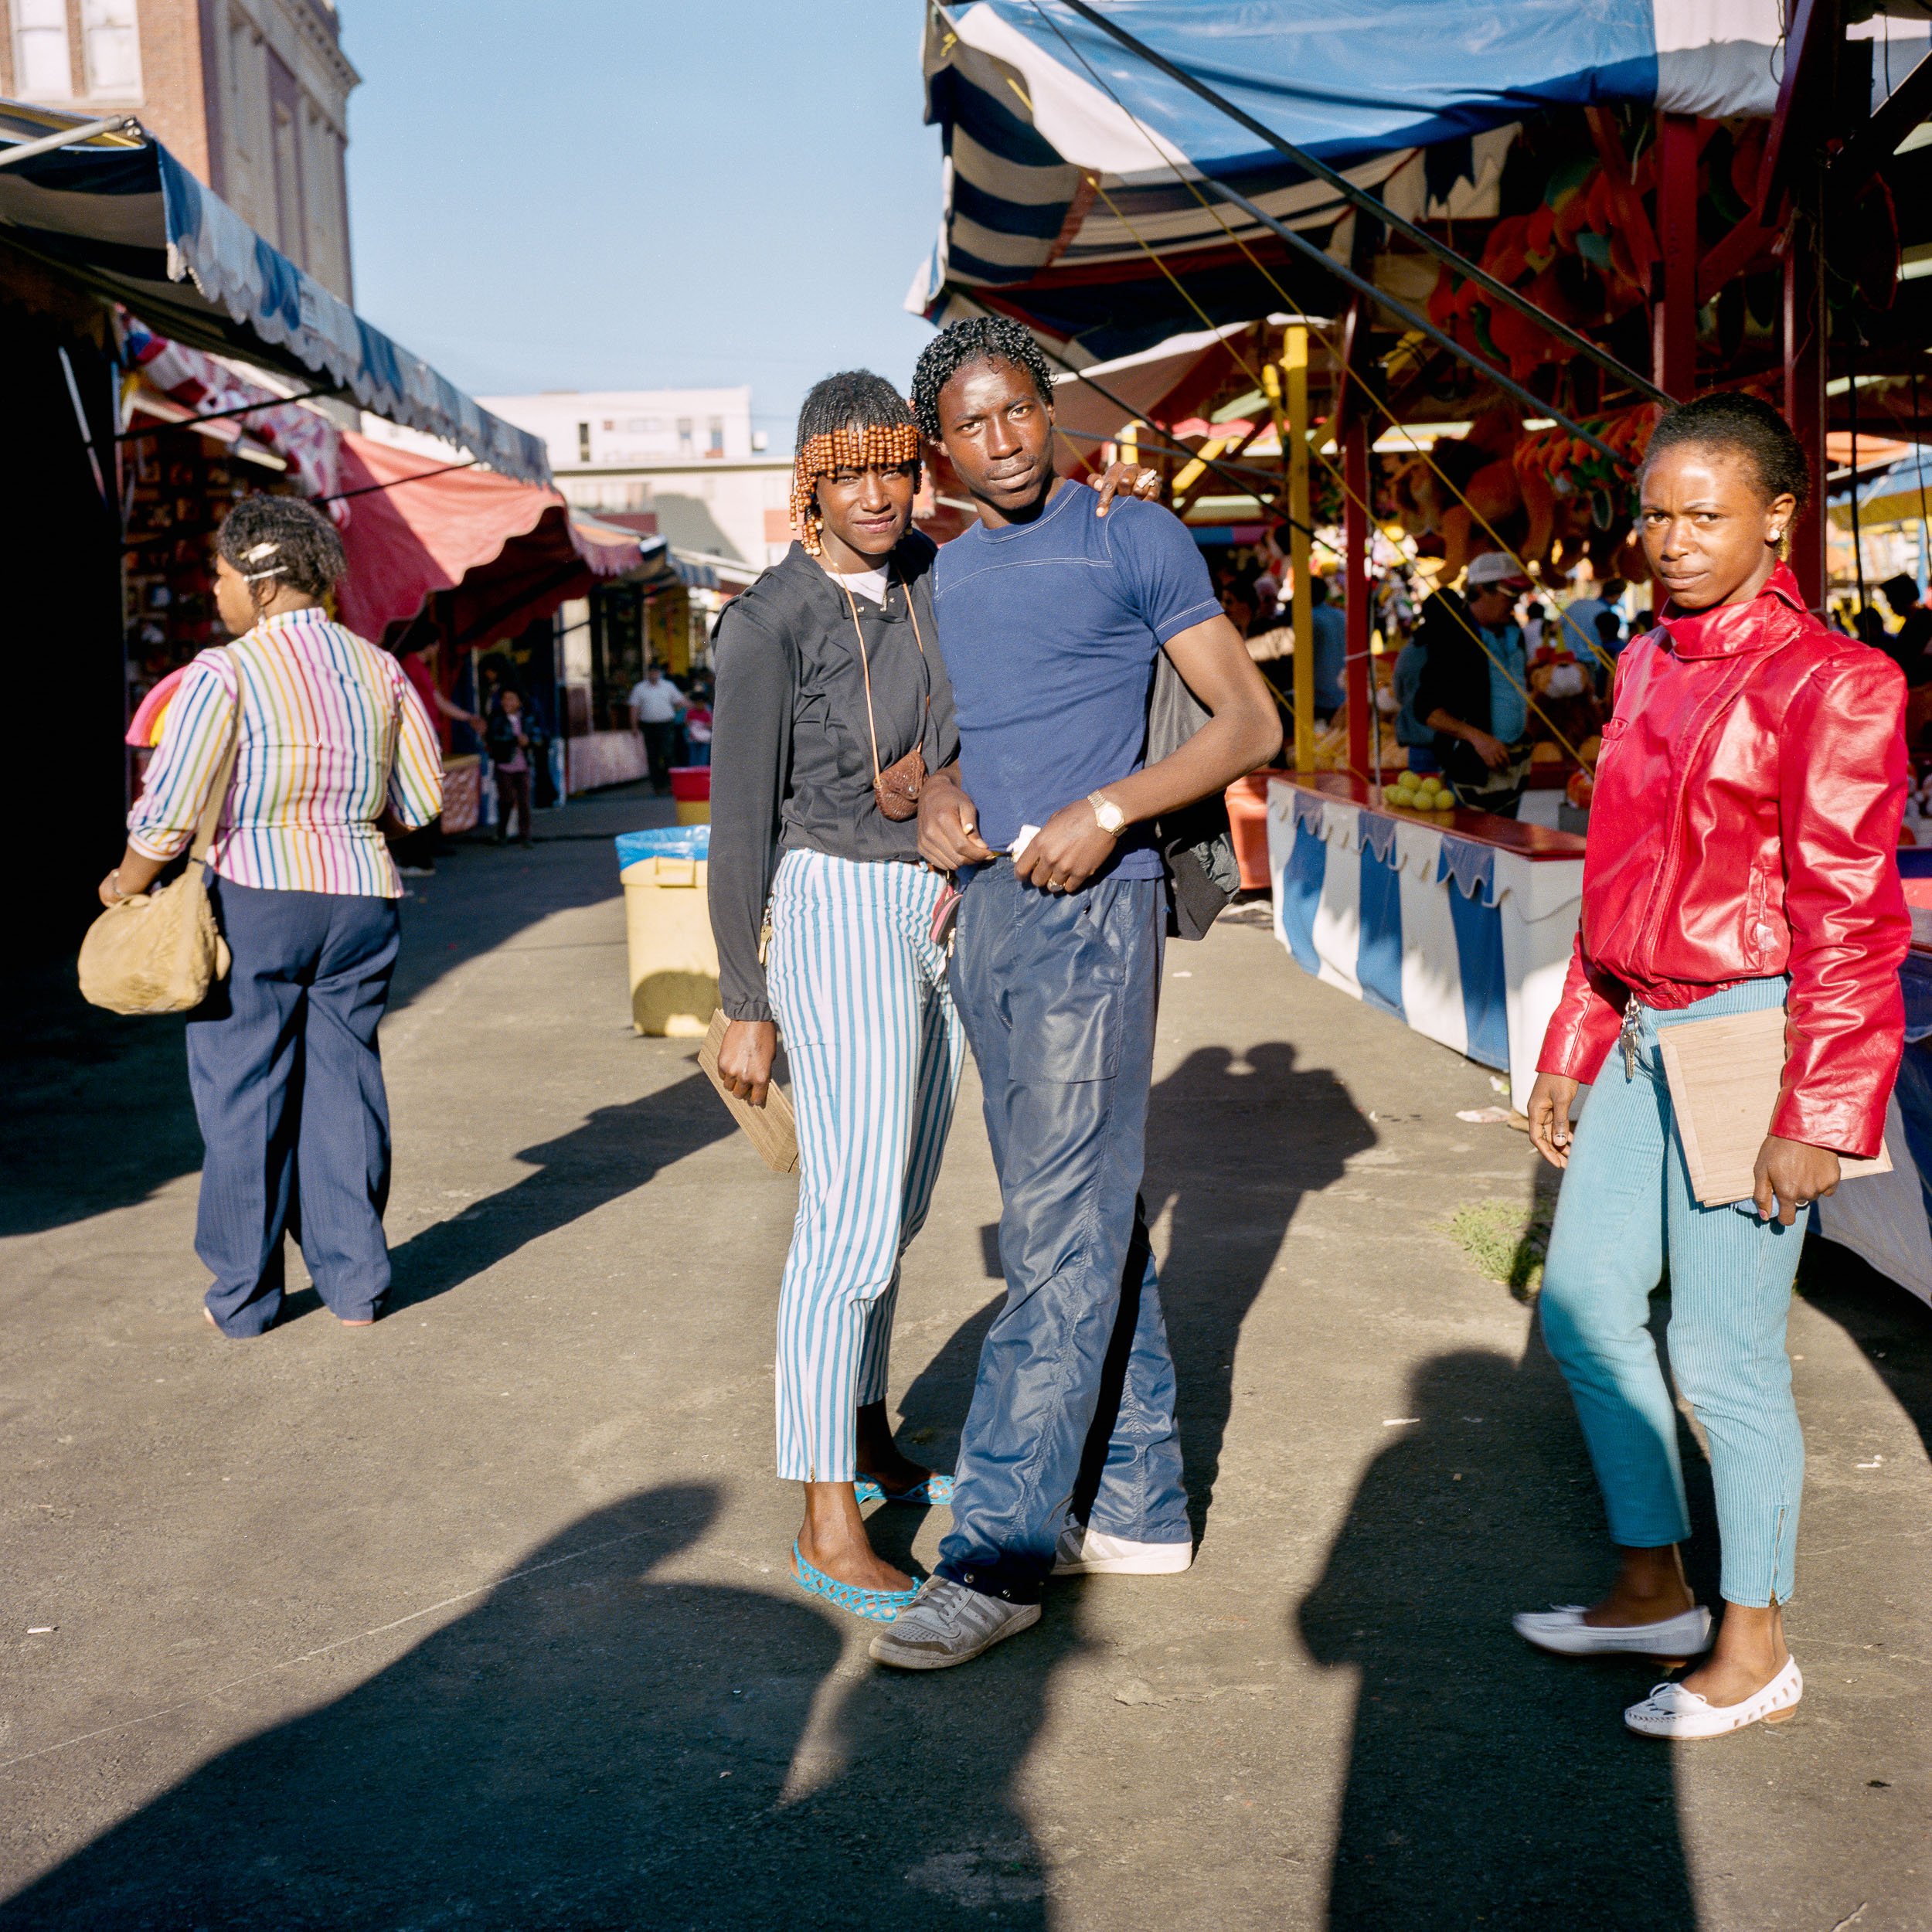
120 215
1068 158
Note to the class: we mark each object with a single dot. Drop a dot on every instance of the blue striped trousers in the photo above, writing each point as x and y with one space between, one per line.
1625 1206
875 1048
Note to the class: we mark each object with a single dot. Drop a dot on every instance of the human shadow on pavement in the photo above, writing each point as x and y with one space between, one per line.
1489 1784
594 1745
1233 1148
99 1115
1890 1326
616 1151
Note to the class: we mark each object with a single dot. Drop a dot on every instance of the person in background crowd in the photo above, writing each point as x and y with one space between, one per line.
1051 620
1741 860
656 703
1906 646
332 743
510 742
1474 692
414 852
697 724
1331 630
1267 598
1410 731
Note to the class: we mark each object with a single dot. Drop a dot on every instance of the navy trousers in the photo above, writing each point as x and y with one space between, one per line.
1074 1405
287 1082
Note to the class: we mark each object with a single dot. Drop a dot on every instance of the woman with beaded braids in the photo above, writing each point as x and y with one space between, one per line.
831 706
1741 860
330 746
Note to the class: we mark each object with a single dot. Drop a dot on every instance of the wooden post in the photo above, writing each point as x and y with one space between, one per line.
1294 365
1674 313
1804 328
1358 533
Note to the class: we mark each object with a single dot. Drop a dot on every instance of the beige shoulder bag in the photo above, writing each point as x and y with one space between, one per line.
159 952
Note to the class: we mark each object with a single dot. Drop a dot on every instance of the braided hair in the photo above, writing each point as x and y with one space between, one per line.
853 419
282 539
979 338
1744 425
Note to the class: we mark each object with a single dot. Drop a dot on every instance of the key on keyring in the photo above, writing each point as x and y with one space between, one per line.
1626 1036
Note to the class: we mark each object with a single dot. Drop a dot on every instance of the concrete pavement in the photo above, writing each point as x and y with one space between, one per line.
480 1618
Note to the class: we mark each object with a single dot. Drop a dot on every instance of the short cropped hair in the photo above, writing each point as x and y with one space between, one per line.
980 338
1746 426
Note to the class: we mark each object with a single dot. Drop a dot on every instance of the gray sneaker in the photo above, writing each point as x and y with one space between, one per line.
946 1623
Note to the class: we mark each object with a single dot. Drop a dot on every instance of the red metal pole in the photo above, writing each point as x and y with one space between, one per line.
1804 373
1354 548
1674 314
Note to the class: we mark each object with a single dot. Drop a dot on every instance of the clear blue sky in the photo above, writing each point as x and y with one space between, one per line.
640 194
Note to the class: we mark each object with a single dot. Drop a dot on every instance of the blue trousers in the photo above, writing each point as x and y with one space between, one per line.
1626 1206
1057 993
288 1084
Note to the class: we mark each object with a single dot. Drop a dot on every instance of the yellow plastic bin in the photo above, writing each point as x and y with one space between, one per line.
667 916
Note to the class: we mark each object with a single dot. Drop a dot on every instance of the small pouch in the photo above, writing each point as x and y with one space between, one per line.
898 786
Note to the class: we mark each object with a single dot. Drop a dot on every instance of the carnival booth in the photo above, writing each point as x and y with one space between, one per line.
1460 924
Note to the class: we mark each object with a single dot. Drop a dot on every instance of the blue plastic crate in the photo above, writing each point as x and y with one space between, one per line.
672 842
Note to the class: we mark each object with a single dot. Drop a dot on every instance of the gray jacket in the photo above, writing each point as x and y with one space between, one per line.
791 758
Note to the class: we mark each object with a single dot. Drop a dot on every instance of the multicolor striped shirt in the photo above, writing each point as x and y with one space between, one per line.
331 733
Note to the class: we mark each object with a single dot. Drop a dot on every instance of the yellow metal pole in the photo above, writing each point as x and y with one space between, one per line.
1294 363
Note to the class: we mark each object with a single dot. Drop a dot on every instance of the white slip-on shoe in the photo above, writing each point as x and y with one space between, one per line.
946 1623
1563 1631
1671 1711
1093 1552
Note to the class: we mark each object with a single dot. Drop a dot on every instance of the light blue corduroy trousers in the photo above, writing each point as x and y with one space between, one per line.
1626 1206
875 1048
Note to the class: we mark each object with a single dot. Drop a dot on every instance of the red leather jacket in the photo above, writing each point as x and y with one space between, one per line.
1744 823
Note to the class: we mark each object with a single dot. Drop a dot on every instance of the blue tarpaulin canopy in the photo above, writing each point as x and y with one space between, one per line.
1068 157
121 216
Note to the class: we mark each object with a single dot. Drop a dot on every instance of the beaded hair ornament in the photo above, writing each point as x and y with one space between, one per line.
862 448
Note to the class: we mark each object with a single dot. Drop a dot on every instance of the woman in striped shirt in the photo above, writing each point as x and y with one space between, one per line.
331 745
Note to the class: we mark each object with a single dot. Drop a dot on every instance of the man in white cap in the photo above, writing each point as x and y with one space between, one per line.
1474 691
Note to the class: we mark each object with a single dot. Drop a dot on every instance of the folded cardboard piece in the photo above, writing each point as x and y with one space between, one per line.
1725 1077
771 1128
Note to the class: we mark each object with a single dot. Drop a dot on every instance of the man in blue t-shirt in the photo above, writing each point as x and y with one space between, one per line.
1051 611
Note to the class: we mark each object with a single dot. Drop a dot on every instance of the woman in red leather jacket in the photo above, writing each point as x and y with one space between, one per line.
1742 855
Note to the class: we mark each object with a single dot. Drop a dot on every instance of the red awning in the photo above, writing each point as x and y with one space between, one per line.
512 552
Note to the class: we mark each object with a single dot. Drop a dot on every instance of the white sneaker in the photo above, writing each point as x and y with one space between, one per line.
948 1624
1671 1711
1563 1631
1093 1552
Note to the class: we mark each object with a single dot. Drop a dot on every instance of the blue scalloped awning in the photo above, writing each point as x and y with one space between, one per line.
122 216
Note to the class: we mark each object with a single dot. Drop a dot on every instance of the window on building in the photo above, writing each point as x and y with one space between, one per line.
42 69
685 445
112 39
288 190
584 442
715 445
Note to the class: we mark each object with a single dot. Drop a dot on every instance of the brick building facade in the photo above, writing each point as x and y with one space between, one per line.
251 95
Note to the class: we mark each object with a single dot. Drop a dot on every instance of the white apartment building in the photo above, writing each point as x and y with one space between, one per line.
688 457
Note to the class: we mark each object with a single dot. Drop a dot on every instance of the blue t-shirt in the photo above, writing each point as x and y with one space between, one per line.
1331 657
1049 630
1509 678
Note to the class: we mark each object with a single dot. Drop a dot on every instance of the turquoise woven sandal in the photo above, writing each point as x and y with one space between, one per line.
879 1606
932 1493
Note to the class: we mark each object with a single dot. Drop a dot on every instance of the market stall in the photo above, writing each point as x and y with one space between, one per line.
1459 923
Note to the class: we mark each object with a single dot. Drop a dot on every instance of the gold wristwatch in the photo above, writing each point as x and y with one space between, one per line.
1109 817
